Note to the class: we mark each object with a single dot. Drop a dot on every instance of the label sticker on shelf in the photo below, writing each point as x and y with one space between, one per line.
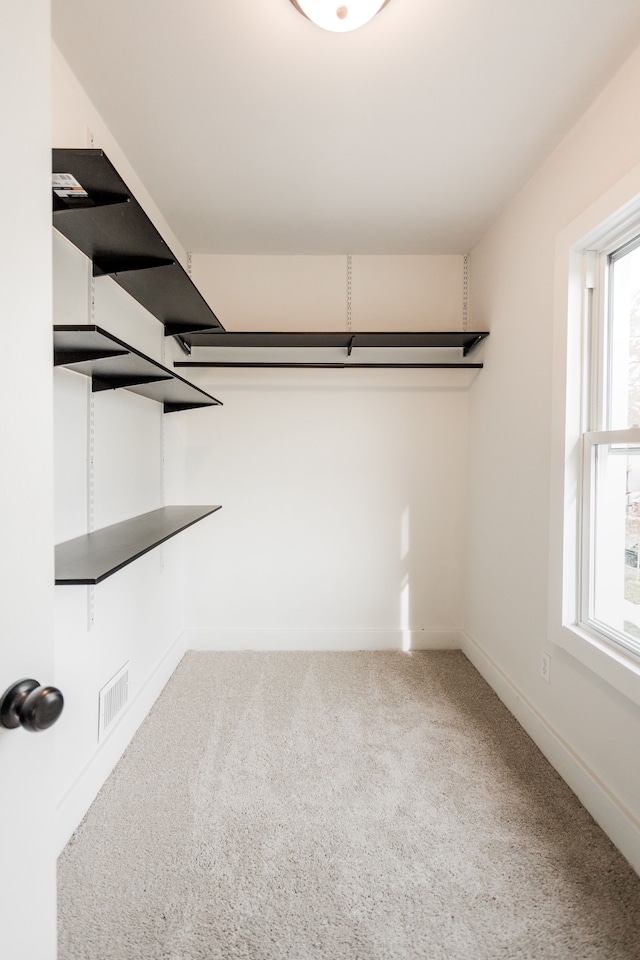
65 185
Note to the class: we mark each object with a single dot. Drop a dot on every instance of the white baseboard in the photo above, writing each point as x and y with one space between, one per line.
74 804
322 639
612 816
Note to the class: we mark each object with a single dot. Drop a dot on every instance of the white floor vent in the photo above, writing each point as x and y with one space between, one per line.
112 700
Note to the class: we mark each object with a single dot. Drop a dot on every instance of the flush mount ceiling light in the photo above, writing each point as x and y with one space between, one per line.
339 17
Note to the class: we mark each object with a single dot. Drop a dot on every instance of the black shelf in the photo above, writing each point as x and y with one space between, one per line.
348 341
113 364
110 227
91 558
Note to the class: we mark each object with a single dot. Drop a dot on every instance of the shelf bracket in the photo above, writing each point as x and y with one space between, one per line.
98 384
178 328
350 347
67 357
177 407
186 347
107 266
95 201
470 346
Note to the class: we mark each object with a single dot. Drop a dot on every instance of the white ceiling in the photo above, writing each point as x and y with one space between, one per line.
257 132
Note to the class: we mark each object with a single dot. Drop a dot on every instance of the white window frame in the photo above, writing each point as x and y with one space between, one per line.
596 430
582 251
587 618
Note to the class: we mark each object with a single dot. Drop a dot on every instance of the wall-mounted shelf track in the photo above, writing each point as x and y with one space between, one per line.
91 558
113 364
349 341
104 220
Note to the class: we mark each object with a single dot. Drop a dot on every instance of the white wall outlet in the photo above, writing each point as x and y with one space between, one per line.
545 667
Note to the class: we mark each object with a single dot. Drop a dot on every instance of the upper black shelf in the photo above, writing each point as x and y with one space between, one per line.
349 341
112 364
110 227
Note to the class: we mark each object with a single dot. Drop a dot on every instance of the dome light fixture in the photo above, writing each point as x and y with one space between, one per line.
339 17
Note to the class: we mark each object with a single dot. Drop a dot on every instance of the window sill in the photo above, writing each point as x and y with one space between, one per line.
617 668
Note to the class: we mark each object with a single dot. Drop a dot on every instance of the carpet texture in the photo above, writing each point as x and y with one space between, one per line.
339 806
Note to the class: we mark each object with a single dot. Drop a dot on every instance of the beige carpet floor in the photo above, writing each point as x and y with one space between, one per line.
339 806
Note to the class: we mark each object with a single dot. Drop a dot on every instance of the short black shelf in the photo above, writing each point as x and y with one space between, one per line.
110 227
91 558
113 364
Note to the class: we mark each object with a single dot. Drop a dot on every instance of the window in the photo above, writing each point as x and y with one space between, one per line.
609 594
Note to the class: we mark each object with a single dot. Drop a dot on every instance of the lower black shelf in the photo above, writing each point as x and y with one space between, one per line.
112 364
91 558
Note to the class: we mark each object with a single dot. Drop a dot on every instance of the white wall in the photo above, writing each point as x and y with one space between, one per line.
136 616
343 492
310 293
590 730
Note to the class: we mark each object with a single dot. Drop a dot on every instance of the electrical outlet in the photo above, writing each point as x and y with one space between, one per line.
545 667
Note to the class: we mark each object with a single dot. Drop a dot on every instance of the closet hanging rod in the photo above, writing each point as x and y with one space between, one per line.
329 366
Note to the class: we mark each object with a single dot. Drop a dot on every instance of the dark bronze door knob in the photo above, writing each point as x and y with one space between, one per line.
31 706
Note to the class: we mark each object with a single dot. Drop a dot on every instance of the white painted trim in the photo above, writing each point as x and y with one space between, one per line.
72 807
393 639
605 224
629 437
612 663
610 814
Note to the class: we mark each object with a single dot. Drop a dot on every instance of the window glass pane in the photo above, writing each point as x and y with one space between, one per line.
616 546
624 343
